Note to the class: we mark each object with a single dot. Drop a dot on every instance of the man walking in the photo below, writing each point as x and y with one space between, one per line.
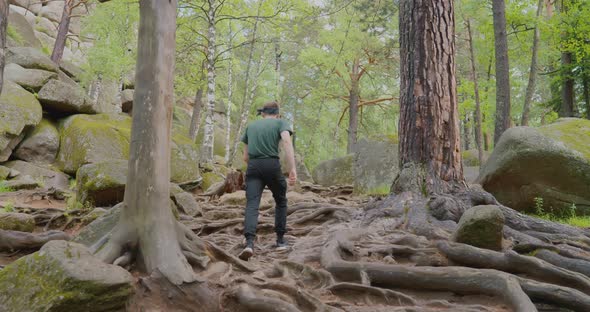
261 152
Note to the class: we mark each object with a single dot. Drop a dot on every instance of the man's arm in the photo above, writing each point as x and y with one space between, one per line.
246 158
290 153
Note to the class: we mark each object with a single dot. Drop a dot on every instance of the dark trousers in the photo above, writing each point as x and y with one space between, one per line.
261 173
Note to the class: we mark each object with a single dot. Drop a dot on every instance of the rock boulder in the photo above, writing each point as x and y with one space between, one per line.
40 145
64 276
63 97
376 164
102 183
481 226
337 171
12 221
44 175
30 79
21 32
28 57
551 162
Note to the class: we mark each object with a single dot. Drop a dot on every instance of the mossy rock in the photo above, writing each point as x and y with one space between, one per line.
102 184
47 176
21 32
210 178
337 171
28 57
30 79
12 221
376 164
551 162
19 110
4 173
63 277
481 226
40 145
62 97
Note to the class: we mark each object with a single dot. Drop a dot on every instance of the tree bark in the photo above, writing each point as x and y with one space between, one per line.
146 224
209 134
62 32
3 32
586 87
478 119
229 98
353 106
567 88
196 118
502 69
429 119
245 101
466 132
530 89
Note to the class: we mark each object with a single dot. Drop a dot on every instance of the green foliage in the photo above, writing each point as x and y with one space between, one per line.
9 206
14 35
539 206
4 188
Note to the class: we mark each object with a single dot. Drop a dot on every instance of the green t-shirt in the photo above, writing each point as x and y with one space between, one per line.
263 136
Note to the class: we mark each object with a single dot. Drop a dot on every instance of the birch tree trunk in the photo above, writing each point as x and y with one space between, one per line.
429 119
229 98
3 32
245 99
530 89
478 119
62 32
353 106
209 134
196 117
502 69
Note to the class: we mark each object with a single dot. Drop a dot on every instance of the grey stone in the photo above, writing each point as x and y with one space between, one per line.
32 5
61 76
65 98
28 57
46 26
184 201
102 183
481 226
40 145
106 94
101 226
50 178
376 164
30 79
64 276
551 163
127 100
335 171
19 110
52 10
22 183
12 221
4 172
72 70
21 31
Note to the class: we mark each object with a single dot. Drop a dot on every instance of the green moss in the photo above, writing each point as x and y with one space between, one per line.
380 190
12 33
574 133
210 178
18 109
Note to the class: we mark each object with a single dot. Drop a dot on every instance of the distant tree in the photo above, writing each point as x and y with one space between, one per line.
502 69
3 32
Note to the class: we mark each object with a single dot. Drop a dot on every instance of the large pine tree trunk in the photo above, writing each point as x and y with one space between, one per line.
353 107
62 32
478 119
209 134
147 224
3 32
530 89
429 119
502 70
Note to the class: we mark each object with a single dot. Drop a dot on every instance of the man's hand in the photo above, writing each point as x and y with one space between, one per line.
292 177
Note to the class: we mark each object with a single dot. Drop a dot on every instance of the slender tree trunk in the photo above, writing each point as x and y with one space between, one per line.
278 54
467 132
502 70
3 32
229 98
478 119
62 32
196 118
147 223
530 89
209 135
567 88
429 119
353 107
245 101
586 87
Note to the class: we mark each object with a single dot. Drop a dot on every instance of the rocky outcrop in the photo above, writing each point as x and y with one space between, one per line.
62 97
49 178
471 158
64 276
31 5
30 79
481 226
19 110
13 221
21 32
335 171
40 145
376 164
551 163
30 58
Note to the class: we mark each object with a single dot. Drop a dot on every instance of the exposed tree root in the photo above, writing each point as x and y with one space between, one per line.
14 240
456 279
575 265
371 295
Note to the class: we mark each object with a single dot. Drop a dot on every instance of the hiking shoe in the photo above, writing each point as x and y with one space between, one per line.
281 245
248 252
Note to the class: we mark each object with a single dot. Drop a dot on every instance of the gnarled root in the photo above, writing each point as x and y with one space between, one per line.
456 279
14 240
